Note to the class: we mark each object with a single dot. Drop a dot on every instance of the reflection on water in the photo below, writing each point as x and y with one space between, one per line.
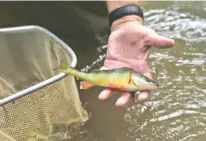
177 25
178 110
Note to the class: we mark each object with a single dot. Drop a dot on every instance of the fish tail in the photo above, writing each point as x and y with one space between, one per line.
65 68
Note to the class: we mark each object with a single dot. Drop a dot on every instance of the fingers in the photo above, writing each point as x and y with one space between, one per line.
159 41
123 100
105 94
143 96
125 97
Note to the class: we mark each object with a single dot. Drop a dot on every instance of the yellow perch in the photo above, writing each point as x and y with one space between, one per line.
122 79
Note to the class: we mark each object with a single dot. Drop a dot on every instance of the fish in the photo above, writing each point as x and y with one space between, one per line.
120 79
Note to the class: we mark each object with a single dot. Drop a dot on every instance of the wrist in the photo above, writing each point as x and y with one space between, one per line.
125 20
125 14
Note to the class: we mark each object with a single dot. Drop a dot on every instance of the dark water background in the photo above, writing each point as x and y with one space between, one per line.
177 111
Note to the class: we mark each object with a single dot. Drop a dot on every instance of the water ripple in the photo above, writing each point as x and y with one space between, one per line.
178 110
174 24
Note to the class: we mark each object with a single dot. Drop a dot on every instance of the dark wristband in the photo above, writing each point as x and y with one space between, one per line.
125 11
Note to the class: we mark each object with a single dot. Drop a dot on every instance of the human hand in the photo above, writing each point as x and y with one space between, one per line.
128 46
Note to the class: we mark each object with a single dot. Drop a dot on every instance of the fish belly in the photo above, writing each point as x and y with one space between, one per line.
119 82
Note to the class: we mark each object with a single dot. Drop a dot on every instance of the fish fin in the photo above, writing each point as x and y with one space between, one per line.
63 66
85 85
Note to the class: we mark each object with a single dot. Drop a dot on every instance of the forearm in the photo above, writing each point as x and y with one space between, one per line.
112 5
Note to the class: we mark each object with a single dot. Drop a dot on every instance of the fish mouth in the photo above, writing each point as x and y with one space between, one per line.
155 87
155 84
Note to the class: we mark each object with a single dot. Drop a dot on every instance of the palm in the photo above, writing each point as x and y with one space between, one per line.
127 47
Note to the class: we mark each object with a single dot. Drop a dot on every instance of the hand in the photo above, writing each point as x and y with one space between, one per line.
128 46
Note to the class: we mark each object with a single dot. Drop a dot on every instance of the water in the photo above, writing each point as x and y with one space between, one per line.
178 110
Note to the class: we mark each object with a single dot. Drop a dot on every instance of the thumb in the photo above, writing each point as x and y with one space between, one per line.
159 41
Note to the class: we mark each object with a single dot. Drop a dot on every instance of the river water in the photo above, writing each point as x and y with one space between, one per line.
178 111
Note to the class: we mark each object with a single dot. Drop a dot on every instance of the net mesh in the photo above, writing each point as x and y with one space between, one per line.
29 58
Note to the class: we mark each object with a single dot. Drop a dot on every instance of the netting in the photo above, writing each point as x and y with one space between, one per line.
28 58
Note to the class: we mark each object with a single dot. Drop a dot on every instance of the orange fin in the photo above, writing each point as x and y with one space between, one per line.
85 85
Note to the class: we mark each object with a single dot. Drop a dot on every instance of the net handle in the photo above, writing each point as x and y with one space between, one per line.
47 82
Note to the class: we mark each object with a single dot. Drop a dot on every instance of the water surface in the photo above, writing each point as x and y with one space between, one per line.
177 111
